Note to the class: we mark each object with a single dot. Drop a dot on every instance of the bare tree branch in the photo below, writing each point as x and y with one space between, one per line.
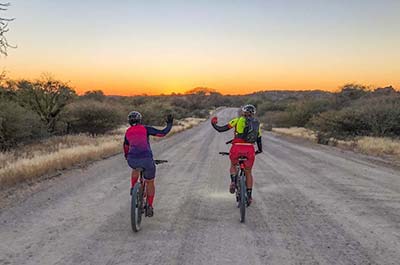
4 45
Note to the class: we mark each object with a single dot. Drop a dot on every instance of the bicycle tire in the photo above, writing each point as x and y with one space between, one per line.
242 196
136 208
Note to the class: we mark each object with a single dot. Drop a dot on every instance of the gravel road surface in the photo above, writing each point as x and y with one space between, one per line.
313 205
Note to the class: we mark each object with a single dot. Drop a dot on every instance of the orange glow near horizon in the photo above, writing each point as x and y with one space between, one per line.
234 48
119 84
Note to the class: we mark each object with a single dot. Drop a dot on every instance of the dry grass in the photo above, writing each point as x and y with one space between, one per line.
186 123
47 158
61 152
297 132
378 146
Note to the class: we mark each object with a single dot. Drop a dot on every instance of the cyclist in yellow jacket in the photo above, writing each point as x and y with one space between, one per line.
247 132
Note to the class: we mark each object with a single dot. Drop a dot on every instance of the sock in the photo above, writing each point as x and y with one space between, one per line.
133 181
150 199
249 192
233 178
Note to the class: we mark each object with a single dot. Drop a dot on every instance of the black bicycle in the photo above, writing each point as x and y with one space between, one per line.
139 204
241 194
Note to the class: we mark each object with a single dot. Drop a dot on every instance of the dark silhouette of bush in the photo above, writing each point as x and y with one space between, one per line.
93 117
382 114
349 93
94 95
18 125
343 124
272 119
301 112
379 116
381 91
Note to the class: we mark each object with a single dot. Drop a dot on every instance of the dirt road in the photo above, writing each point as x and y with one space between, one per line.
313 205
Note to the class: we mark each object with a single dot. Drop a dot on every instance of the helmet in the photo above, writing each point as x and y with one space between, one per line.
249 109
134 117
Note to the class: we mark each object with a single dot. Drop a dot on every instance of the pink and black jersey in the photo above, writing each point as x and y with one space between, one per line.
137 144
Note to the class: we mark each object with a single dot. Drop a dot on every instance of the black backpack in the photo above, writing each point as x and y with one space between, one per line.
251 130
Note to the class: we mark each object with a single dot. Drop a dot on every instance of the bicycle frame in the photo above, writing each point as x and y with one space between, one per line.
139 199
241 187
241 190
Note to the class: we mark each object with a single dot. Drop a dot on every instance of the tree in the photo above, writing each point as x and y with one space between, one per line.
349 93
4 45
97 95
201 90
47 97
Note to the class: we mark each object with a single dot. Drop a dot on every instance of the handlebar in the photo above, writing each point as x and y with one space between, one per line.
229 142
157 162
227 153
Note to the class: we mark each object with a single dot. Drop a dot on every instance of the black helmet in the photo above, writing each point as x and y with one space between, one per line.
134 117
249 109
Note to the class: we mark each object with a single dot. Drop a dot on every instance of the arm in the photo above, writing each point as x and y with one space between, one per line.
259 144
221 128
126 147
218 128
161 133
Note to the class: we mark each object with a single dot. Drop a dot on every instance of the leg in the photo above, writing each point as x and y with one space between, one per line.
233 172
249 178
249 185
134 177
149 175
151 190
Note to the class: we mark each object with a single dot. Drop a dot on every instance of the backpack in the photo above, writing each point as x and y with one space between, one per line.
251 130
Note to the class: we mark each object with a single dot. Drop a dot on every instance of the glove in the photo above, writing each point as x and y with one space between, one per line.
169 119
258 152
214 120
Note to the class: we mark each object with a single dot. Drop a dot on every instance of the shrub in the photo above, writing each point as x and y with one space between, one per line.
382 115
350 92
343 124
268 106
376 116
93 117
300 113
273 119
18 125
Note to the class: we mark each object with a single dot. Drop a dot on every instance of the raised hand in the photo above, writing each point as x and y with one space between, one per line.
170 118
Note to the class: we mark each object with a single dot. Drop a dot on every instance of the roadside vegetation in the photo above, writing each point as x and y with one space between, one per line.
47 157
370 145
46 126
356 117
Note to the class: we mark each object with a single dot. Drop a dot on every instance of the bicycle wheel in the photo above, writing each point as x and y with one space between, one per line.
242 196
136 207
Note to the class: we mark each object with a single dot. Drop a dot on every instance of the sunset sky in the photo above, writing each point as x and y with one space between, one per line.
135 47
